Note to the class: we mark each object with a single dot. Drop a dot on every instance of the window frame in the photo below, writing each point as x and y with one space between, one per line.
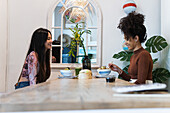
98 28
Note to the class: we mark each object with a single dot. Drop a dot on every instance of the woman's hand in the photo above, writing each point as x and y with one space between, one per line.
114 67
53 59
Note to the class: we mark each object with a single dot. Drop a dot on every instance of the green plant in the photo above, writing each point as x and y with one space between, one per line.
78 39
153 45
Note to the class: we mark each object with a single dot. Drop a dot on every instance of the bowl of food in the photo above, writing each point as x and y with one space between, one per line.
67 72
85 74
103 71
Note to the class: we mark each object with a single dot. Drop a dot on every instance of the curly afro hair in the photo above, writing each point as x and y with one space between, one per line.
132 25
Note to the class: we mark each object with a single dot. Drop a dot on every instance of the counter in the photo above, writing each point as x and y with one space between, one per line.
75 94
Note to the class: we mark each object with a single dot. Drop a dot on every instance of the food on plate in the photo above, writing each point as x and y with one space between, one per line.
103 67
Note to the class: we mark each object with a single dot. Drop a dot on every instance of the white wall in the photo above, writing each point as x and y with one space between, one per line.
27 15
3 43
165 27
24 17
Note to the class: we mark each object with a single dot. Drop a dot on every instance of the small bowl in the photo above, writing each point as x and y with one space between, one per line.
110 79
66 73
104 72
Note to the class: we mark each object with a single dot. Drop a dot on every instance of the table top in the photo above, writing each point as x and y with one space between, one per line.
75 94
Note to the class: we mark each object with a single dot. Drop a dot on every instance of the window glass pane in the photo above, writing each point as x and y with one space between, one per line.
56 50
92 36
56 54
92 18
70 3
92 51
64 1
66 44
57 15
56 34
73 16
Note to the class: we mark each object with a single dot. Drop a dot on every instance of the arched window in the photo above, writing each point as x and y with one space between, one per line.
65 14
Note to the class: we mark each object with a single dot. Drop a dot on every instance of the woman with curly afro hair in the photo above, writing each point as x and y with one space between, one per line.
141 65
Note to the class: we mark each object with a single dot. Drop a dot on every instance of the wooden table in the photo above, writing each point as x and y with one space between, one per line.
74 94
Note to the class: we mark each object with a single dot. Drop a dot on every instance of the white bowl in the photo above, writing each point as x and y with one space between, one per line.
104 72
66 73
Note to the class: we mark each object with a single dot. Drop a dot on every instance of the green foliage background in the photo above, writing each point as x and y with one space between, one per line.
153 45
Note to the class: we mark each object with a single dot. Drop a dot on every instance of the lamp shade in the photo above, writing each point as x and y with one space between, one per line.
129 6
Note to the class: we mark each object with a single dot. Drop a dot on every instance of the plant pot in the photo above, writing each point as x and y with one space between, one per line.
86 63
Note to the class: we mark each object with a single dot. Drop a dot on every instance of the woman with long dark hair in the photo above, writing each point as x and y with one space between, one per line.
36 67
140 69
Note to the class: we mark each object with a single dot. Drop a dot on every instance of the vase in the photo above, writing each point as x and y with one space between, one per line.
86 63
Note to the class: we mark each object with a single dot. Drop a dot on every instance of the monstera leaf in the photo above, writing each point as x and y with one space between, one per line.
125 69
123 55
155 44
160 75
155 60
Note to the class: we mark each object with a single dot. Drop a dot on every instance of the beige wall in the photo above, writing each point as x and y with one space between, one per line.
3 43
27 15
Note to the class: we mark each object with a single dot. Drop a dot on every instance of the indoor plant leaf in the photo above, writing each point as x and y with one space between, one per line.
123 55
125 69
155 60
160 75
155 44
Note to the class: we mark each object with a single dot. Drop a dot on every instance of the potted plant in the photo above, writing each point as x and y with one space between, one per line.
153 45
76 42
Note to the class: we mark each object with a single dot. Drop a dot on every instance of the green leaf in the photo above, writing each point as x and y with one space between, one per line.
148 49
82 33
72 20
88 31
160 75
123 55
77 26
69 52
73 55
72 30
125 69
156 43
75 30
154 60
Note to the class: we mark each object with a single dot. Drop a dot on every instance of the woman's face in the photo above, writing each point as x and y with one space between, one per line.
48 43
131 43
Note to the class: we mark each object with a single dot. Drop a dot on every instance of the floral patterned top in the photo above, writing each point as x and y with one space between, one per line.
30 69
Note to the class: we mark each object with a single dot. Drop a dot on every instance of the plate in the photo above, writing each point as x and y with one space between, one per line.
67 77
100 76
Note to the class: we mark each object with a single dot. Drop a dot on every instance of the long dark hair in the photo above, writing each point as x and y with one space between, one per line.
38 40
132 25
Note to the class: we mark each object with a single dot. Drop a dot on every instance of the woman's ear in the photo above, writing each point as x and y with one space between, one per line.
136 38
